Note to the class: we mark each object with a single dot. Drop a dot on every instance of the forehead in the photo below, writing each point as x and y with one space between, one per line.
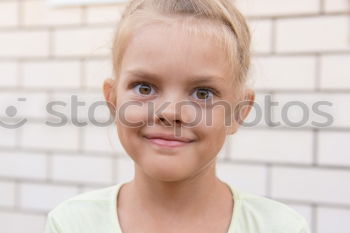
172 49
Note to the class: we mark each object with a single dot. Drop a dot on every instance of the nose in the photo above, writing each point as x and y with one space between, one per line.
169 112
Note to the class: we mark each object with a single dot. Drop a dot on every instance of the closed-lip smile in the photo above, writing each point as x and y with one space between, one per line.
167 140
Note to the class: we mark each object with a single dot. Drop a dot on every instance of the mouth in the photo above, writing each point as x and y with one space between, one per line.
168 141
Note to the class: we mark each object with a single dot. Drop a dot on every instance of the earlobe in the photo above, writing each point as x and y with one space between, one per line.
109 94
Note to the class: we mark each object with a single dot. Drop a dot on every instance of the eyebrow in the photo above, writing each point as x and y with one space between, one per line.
197 79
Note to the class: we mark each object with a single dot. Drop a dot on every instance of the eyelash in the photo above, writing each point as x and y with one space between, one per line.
212 90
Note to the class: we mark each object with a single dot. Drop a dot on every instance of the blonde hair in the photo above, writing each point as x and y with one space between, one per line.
226 24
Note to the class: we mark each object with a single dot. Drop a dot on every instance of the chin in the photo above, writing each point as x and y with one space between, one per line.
167 172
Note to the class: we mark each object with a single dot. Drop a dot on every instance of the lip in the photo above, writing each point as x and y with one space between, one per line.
169 141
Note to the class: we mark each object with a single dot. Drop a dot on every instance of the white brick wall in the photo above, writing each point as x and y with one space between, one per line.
8 136
82 42
285 72
103 14
333 148
34 43
102 139
335 72
272 146
8 74
301 51
301 109
36 13
42 136
8 193
23 165
43 197
51 74
277 7
308 34
336 5
82 169
8 14
16 222
261 35
96 71
32 105
328 218
303 184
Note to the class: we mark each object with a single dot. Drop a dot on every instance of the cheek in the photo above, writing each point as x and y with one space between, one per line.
217 118
131 113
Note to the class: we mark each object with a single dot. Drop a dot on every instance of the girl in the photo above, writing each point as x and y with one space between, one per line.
179 89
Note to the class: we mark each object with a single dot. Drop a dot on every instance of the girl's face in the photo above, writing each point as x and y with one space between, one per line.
173 86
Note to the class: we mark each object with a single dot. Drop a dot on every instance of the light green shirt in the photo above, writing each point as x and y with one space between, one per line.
96 212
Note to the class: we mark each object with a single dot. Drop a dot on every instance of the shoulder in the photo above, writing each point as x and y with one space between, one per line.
98 196
270 215
84 207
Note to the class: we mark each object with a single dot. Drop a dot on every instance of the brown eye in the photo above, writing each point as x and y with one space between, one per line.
143 89
203 94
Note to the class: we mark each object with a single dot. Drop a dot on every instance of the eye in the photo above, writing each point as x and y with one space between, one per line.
143 89
203 93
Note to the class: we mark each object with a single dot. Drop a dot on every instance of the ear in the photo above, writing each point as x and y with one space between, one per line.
109 92
242 110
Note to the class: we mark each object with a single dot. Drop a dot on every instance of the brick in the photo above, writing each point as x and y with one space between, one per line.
27 104
38 13
333 148
8 14
8 74
82 42
249 178
328 218
43 197
82 169
335 72
308 34
298 110
86 107
96 71
103 14
125 170
7 135
23 165
277 7
261 31
24 44
42 136
51 74
283 72
311 185
274 146
8 192
102 139
336 6
16 222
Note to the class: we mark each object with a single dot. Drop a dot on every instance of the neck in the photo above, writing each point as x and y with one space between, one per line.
186 197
